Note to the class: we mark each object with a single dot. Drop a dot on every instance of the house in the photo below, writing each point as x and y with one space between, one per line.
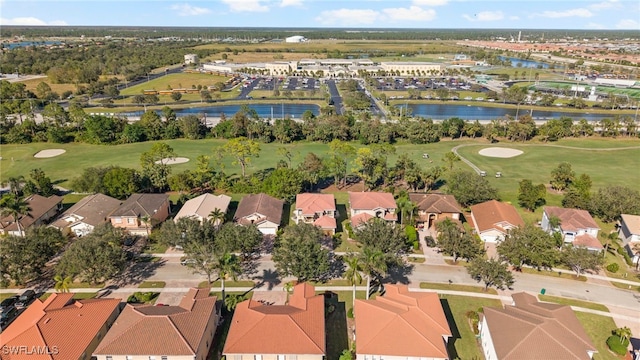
530 330
317 209
42 209
629 232
401 325
493 220
276 326
435 207
261 210
366 205
60 328
140 212
86 214
156 332
576 226
201 207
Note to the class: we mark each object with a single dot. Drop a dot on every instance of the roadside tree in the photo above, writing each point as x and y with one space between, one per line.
491 272
298 253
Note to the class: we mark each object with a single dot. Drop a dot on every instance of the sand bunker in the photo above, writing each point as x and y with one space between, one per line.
500 152
170 161
49 153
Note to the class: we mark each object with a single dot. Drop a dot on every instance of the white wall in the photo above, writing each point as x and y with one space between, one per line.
486 341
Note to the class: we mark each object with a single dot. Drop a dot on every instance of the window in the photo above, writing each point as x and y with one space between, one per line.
131 221
117 220
257 357
109 357
152 358
281 357
237 357
163 357
129 357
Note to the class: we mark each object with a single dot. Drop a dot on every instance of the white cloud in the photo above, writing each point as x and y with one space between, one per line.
485 16
348 17
430 2
579 12
188 10
412 13
30 21
610 4
285 3
246 5
628 24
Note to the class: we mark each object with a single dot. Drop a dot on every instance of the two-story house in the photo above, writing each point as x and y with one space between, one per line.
629 232
141 212
435 207
576 226
364 206
317 209
59 328
146 332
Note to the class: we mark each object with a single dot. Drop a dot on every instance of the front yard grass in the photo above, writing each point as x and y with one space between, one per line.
456 287
6 296
598 328
152 285
562 275
228 284
573 302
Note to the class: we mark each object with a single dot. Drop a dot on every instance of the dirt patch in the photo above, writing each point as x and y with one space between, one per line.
500 152
171 161
49 153
354 187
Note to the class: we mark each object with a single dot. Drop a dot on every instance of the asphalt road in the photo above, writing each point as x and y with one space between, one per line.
335 96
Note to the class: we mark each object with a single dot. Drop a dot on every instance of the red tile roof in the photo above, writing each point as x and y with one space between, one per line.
496 215
311 204
572 219
326 222
588 241
371 200
436 203
531 330
403 324
161 330
360 219
295 328
66 326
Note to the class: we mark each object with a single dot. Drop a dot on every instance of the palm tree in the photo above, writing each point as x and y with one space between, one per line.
624 333
12 205
62 283
406 207
217 217
15 184
228 266
353 273
231 301
373 262
146 220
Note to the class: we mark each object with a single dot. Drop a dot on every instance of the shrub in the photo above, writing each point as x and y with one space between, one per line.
474 319
617 346
350 313
412 234
613 267
142 297
430 241
416 245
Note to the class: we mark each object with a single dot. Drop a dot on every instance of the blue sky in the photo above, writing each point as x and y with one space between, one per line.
511 14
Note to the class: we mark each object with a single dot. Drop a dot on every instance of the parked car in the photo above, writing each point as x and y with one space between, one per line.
25 299
8 303
185 261
7 317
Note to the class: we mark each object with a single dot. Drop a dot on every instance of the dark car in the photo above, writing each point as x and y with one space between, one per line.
7 317
8 303
25 299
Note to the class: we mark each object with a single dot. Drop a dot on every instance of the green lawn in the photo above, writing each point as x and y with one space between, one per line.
573 302
464 344
152 284
599 329
456 287
6 296
175 81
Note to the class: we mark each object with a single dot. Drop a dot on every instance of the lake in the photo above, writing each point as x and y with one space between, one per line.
274 111
12 46
522 63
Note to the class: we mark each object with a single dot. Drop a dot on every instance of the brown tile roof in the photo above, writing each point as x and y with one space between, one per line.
39 206
572 219
632 222
588 241
371 200
59 322
262 205
403 324
326 222
201 206
161 330
494 214
315 203
138 205
360 219
93 210
436 203
531 330
295 328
